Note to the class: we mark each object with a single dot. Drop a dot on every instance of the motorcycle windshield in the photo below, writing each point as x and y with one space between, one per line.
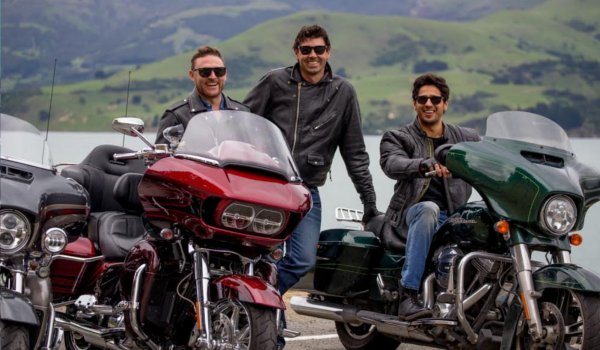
527 127
21 141
236 138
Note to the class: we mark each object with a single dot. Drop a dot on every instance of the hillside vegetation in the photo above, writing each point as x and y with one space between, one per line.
545 59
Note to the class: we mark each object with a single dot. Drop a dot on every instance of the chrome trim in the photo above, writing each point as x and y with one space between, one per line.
522 261
91 335
460 289
564 256
476 296
135 305
197 158
76 258
50 326
428 294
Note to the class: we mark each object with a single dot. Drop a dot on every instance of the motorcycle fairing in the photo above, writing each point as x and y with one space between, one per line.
15 307
250 289
512 182
566 276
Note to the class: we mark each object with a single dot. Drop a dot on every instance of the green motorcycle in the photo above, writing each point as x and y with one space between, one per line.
483 280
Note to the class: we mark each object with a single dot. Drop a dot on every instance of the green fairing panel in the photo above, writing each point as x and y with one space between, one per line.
512 185
567 276
349 237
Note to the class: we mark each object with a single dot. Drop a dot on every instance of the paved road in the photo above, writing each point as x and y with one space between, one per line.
319 334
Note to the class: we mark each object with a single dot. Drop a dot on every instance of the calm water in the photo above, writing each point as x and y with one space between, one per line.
339 191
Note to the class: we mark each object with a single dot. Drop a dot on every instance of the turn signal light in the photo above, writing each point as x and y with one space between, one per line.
277 254
575 239
502 227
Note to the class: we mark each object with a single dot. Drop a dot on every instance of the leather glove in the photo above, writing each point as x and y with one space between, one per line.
370 211
427 165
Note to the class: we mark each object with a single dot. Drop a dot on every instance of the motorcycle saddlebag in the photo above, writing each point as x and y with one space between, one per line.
344 261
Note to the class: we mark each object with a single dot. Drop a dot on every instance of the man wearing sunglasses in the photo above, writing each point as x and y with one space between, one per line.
208 72
419 204
318 112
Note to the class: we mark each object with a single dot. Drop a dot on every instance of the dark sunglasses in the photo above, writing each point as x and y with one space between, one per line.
434 99
319 50
205 72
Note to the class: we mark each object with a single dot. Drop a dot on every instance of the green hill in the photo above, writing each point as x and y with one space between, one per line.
545 59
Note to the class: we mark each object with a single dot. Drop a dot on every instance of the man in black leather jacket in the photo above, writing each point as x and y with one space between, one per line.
419 204
208 72
317 112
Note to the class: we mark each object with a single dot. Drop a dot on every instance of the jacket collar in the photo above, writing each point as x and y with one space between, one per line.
295 75
198 106
420 131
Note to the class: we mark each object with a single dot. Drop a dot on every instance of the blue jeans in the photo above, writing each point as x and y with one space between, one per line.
423 220
301 247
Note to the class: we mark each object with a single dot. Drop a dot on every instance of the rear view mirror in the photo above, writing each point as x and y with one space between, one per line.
128 126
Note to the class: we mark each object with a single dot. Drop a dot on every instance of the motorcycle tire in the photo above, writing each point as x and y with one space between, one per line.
567 310
13 336
363 337
256 325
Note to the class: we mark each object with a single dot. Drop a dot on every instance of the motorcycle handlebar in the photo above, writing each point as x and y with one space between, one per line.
126 156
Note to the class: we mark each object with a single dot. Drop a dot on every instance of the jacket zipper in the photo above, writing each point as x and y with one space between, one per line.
430 153
297 117
325 122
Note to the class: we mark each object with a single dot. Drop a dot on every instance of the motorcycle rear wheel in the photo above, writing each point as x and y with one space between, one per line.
361 336
572 315
244 326
13 336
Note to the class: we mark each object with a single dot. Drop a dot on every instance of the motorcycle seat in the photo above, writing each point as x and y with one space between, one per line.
115 221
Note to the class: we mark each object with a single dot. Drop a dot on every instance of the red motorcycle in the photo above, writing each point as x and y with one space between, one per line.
209 207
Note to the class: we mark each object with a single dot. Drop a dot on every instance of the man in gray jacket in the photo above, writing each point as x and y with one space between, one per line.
317 112
209 73
419 204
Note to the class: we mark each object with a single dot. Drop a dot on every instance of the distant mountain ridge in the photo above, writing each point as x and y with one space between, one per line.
96 38
545 59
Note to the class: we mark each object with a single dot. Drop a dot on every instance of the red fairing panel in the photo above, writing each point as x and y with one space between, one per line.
248 289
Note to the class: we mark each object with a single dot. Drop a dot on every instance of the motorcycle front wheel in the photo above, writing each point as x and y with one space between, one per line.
13 336
244 326
362 336
570 317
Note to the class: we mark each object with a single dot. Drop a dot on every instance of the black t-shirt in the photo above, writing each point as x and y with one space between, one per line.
435 192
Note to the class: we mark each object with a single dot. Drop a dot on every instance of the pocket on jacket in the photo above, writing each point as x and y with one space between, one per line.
315 159
323 125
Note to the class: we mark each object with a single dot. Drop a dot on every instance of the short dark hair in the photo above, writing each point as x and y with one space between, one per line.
311 32
206 51
431 79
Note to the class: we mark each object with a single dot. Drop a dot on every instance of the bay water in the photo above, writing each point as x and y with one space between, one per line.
338 191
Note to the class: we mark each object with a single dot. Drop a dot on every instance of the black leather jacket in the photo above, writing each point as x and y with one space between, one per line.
182 111
402 151
315 120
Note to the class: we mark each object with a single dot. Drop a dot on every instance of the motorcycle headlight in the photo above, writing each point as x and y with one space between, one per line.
253 218
15 231
558 215
54 240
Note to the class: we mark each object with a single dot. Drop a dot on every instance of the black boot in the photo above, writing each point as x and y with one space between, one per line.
410 306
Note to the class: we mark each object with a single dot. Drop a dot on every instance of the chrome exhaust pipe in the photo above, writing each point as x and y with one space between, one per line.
94 336
387 324
323 309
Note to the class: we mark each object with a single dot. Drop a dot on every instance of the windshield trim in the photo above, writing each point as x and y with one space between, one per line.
28 162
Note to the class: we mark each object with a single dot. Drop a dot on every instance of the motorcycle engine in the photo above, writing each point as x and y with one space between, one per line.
444 261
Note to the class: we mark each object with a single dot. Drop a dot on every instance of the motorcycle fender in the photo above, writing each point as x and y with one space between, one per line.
14 307
566 276
249 289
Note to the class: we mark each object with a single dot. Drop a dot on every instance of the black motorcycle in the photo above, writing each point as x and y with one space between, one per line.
40 212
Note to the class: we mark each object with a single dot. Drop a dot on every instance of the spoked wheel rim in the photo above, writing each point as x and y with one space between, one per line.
562 320
231 324
359 330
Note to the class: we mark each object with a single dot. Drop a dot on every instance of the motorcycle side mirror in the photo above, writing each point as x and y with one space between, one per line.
131 127
441 153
